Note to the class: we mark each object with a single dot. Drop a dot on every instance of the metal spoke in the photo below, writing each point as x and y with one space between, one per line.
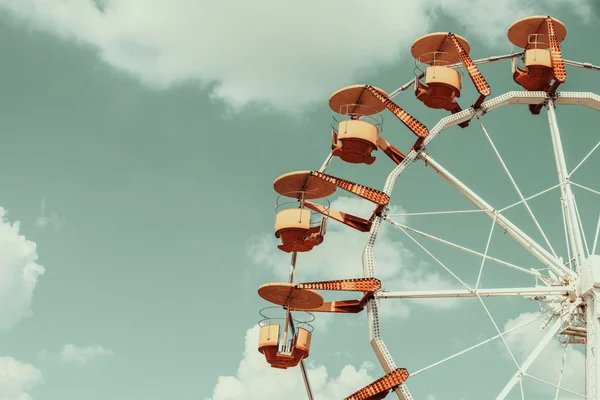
479 344
565 186
436 259
584 158
326 162
585 187
562 209
521 386
581 230
528 198
514 183
435 213
466 250
562 369
498 330
523 239
553 385
550 334
487 247
596 236
455 293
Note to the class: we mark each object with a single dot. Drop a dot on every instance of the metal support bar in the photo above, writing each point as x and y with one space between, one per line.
550 334
291 320
435 294
582 65
567 198
523 239
592 353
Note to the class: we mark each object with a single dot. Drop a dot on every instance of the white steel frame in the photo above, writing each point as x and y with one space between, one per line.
567 285
567 276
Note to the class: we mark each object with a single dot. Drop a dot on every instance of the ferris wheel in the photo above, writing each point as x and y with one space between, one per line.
565 283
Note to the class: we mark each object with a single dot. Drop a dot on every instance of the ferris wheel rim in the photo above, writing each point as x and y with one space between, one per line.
588 99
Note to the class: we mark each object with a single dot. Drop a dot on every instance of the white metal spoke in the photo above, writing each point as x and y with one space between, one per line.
523 239
435 213
584 158
581 230
479 344
436 259
550 334
487 311
570 261
553 385
565 187
596 236
585 187
562 369
326 162
454 293
528 198
514 183
521 386
487 247
465 249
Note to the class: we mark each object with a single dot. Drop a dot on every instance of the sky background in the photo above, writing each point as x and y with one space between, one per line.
139 148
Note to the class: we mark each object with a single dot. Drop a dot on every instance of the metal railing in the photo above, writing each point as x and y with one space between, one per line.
285 202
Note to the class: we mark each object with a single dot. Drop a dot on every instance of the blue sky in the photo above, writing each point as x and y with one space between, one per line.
139 148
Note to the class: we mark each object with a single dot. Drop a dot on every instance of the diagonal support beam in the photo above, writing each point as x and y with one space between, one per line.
396 155
550 334
411 122
558 65
523 239
483 88
360 224
381 387
373 195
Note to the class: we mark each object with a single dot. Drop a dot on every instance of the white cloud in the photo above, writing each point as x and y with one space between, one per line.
281 54
19 273
547 365
44 220
255 379
72 354
339 257
17 379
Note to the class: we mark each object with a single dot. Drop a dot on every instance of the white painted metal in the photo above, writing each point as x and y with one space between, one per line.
565 188
550 334
512 180
521 237
467 250
590 100
326 162
596 236
527 199
582 65
584 159
436 294
592 352
554 386
537 318
554 264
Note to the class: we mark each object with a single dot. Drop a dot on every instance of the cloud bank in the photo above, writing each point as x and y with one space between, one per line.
276 55
19 273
